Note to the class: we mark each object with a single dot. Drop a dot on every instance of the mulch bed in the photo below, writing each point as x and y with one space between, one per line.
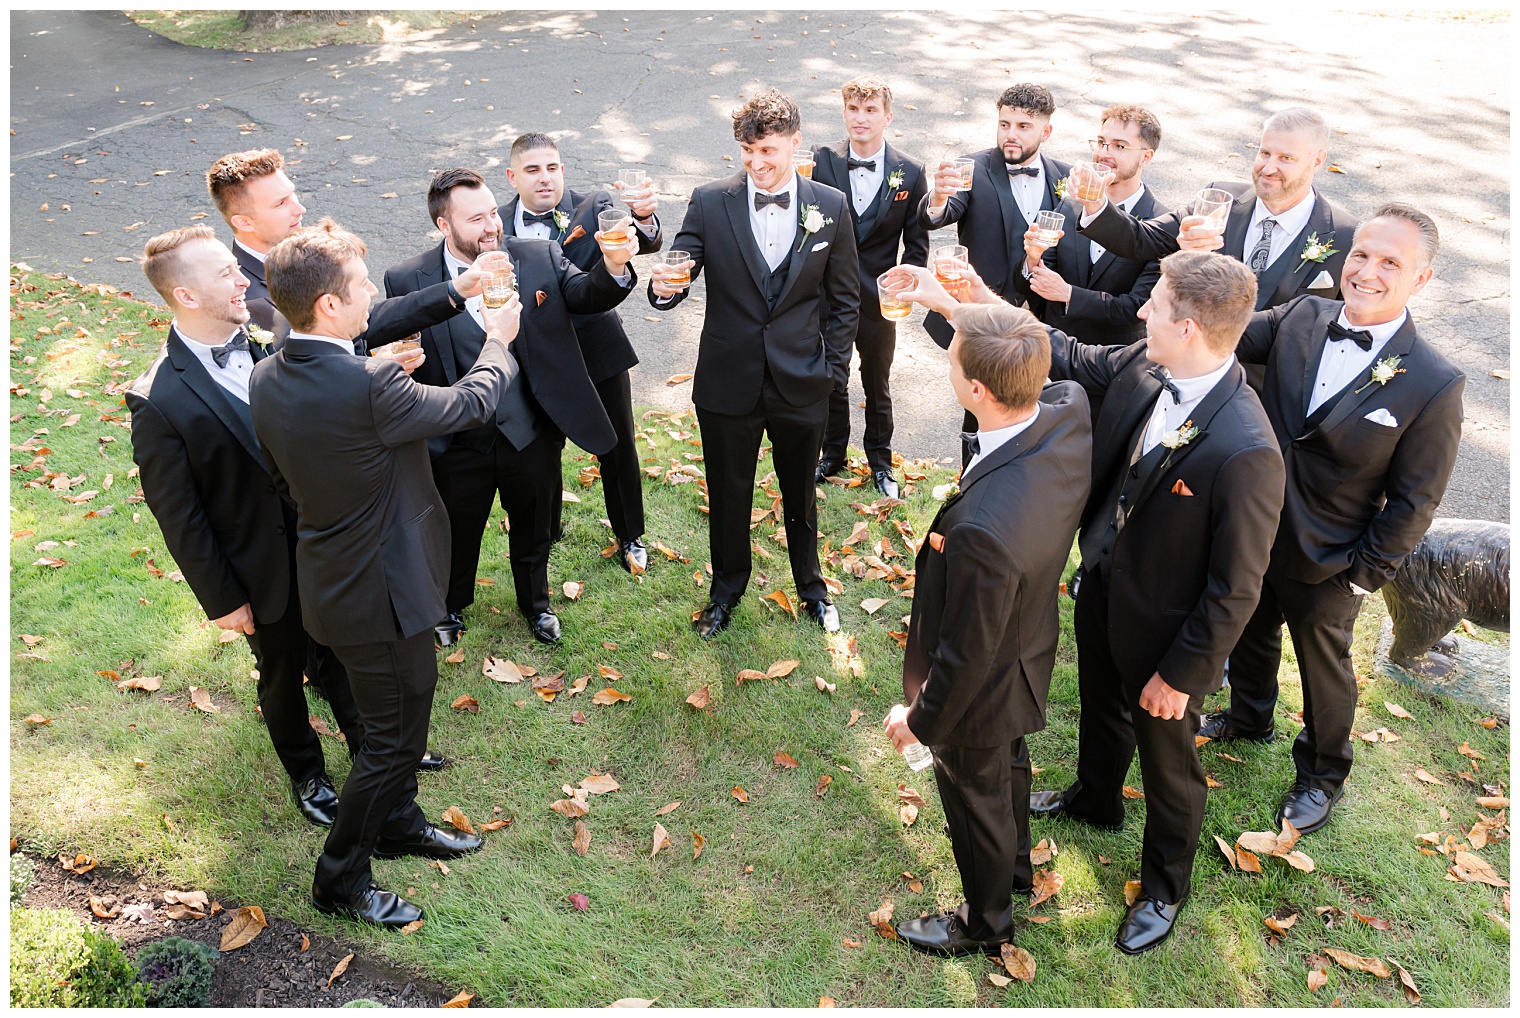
270 971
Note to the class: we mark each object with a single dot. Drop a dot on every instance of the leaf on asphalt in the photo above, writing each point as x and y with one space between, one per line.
1397 711
907 813
1247 860
1427 777
466 702
1406 983
669 807
610 695
1317 979
1229 853
661 839
571 808
697 844
413 926
581 902
1132 793
1493 801
822 686
1373 921
1132 891
781 598
1047 884
750 675
454 815
80 863
881 919
600 784
1357 963
247 923
677 379
107 907
633 1002
739 793
340 968
582 840
1018 962
701 698
823 785
574 589
872 605
201 701
500 669
854 717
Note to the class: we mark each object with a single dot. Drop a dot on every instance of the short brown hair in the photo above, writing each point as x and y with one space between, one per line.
1214 290
229 175
1006 349
1129 113
1030 98
308 264
867 86
767 113
163 258
444 182
530 141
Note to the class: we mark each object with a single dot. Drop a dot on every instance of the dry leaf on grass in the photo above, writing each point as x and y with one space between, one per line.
1018 962
1047 883
1299 861
1042 853
1229 853
874 604
633 1002
146 683
1493 801
456 658
661 840
610 696
581 902
739 793
881 919
600 784
501 670
823 686
247 923
781 598
1132 793
582 839
1427 777
201 701
1317 979
608 672
413 926
1406 983
454 815
1471 869
1132 892
466 702
1280 924
784 760
823 785
750 675
1247 860
854 717
701 698
907 813
910 796
571 808
1373 921
1397 711
340 968
1357 963
697 844
850 943
669 807
574 589
825 1001
781 669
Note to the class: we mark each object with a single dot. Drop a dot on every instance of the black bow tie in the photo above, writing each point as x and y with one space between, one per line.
1166 383
1361 337
862 164
538 217
784 199
974 440
1032 171
220 354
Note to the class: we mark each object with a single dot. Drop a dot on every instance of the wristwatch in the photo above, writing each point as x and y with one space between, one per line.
454 296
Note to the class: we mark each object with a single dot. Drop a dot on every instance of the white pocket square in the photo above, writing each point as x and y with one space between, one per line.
1383 417
818 246
1322 281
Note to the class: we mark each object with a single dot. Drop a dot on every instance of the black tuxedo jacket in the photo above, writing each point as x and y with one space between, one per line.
1187 568
990 225
1286 278
891 218
1360 494
545 348
256 297
604 344
345 438
1106 294
204 477
982 637
807 338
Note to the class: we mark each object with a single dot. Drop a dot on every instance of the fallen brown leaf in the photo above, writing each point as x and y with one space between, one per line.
907 813
247 922
781 669
1493 801
1247 860
1375 923
1019 963
1397 711
501 670
455 816
571 808
873 604
340 968
305 943
669 807
574 589
739 793
784 760
1132 892
854 717
600 784
661 839
1229 853
750 675
107 907
1317 979
1042 853
201 701
582 840
697 844
610 696
1357 963
881 919
413 926
80 863
1427 777
1406 983
781 598
466 702
1047 884
823 785
1132 793
146 683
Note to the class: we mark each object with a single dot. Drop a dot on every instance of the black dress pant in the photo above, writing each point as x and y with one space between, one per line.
528 482
1112 727
393 687
730 446
622 480
1320 617
876 343
985 792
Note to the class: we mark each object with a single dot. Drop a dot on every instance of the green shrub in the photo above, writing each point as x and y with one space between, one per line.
177 972
58 962
22 871
362 1002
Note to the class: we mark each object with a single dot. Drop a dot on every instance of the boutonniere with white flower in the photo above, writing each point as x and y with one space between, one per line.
1383 371
1177 438
1061 186
1315 250
895 180
262 337
561 220
812 221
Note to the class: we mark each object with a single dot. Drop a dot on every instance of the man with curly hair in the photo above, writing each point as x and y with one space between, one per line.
256 198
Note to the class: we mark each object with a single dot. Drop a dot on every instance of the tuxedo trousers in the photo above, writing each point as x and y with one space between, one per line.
1320 617
393 685
528 482
876 345
730 447
985 793
1113 726
622 480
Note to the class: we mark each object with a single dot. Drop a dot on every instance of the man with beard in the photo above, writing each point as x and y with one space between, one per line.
1011 184
517 455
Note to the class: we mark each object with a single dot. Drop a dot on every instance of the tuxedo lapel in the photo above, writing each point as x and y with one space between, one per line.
1314 353
802 242
734 199
1051 178
248 264
1352 399
876 212
508 214
1282 278
229 410
444 335
1201 416
1235 228
1013 448
996 172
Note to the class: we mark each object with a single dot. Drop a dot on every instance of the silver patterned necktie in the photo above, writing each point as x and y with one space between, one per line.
1263 249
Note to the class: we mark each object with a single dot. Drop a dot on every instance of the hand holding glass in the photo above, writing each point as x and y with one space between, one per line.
888 286
1089 181
1048 227
614 225
498 289
802 162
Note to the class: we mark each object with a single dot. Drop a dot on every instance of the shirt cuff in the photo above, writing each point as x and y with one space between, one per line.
624 280
664 302
1358 590
650 228
1087 217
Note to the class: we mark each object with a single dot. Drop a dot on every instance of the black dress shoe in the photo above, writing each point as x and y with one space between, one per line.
1308 809
886 483
432 843
432 761
372 905
713 620
317 800
633 553
827 467
1146 924
822 612
1220 727
1053 803
545 627
943 934
449 629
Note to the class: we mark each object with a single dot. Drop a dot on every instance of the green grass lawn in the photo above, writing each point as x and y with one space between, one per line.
774 912
224 29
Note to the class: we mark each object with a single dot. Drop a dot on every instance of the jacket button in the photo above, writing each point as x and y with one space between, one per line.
270 489
1297 444
279 530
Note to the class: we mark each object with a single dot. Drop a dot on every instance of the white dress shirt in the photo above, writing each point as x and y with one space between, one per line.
261 257
989 441
346 345
1128 205
865 185
234 377
457 265
1343 360
1169 416
1029 192
1289 225
774 227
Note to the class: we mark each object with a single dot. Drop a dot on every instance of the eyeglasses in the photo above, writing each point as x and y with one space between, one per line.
1116 147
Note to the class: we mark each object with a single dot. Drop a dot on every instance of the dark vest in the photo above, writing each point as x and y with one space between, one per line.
519 418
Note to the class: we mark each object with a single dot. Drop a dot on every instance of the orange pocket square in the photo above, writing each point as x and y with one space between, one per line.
900 196
937 542
579 231
1181 488
544 296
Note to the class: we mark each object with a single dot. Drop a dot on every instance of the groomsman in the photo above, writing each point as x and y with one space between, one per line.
1187 490
544 209
345 440
1368 416
982 639
884 186
1011 185
782 305
256 198
516 457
